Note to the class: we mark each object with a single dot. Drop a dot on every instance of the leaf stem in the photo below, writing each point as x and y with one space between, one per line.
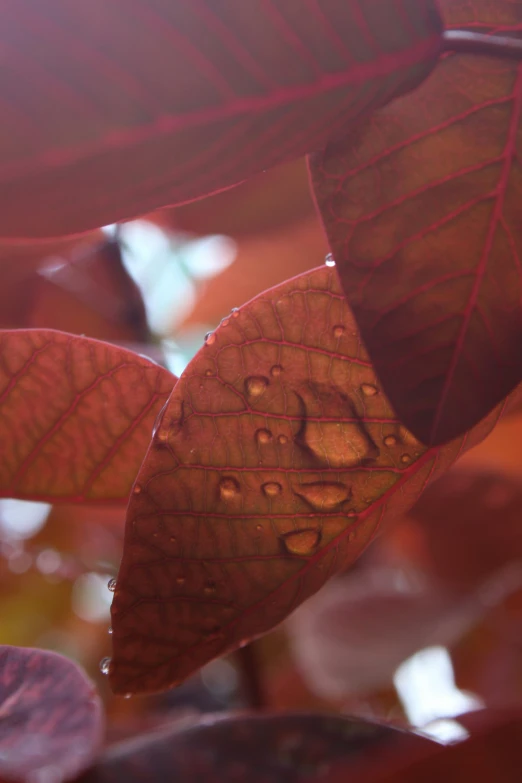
478 43
251 677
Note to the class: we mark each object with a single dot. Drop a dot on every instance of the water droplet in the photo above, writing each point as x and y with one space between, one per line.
228 489
259 527
137 489
338 331
256 386
234 312
172 539
210 338
282 439
263 436
225 322
405 458
209 588
340 444
276 370
351 513
390 440
105 665
369 390
323 495
180 580
127 696
111 584
329 260
109 629
271 489
301 542
208 373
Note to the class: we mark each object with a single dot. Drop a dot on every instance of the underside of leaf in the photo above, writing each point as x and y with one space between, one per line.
76 416
422 211
161 102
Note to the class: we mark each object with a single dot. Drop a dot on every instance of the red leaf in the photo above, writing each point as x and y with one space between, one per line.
492 753
422 213
51 717
76 416
275 463
161 102
253 748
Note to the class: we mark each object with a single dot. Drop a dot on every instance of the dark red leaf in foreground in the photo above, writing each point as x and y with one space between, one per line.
275 748
162 102
51 718
422 209
493 754
275 463
76 416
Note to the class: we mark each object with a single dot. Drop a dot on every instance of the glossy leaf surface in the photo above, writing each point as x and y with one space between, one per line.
422 209
275 463
76 416
276 748
51 716
162 102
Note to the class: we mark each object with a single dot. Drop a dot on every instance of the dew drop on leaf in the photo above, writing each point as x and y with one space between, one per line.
390 440
105 665
338 331
271 489
259 528
111 584
282 439
256 386
228 488
210 338
234 312
369 390
263 436
180 580
301 542
225 322
405 458
351 514
209 588
276 370
209 373
137 489
329 260
109 629
323 495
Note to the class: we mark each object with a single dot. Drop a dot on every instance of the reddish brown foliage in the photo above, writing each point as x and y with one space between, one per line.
287 748
422 211
260 84
51 717
76 416
277 459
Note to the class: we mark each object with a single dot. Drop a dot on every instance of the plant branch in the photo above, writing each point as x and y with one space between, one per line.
462 41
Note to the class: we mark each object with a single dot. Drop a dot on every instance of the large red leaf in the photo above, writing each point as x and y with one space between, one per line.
76 416
277 459
159 102
492 753
51 717
422 210
253 748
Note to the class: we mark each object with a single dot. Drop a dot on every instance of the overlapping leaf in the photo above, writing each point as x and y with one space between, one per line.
276 460
422 210
289 748
492 753
76 416
159 102
51 717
